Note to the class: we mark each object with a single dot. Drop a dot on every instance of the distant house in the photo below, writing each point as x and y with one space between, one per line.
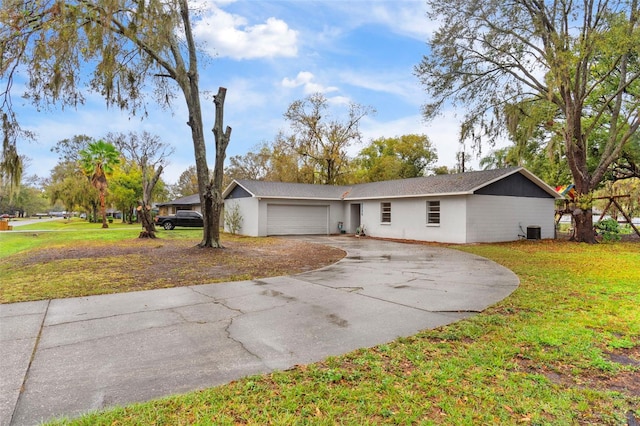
114 213
191 202
482 206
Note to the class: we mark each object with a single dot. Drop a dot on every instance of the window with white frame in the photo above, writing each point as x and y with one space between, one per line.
385 212
433 212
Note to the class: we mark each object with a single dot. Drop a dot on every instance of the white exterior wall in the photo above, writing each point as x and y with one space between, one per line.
409 219
463 219
336 212
249 212
494 218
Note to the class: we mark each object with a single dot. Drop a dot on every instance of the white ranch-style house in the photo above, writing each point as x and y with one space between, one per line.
482 206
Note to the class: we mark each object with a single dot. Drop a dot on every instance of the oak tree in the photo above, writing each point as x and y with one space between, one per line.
253 165
187 183
115 48
125 188
578 58
401 157
323 139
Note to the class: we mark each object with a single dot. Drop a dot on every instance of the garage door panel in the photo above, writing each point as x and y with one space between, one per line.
297 220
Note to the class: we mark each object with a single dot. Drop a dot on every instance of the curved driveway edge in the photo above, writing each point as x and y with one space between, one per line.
71 356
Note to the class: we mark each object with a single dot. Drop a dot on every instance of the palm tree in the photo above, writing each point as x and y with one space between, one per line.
97 160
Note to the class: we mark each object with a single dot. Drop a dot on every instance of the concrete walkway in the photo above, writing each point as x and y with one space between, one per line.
66 357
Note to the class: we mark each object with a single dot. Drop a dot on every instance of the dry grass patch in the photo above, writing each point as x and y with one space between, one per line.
89 268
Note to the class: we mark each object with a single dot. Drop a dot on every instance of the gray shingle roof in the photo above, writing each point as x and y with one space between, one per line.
462 183
188 200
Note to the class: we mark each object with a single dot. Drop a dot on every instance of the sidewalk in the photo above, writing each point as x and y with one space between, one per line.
65 357
21 222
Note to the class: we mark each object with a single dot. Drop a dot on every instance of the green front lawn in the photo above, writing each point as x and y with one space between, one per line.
28 237
563 349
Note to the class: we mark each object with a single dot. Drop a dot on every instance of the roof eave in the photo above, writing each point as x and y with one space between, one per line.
422 195
286 197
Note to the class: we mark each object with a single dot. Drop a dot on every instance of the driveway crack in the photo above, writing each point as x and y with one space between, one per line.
240 342
227 331
221 302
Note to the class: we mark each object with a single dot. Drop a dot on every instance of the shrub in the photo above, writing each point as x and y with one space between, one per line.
610 229
233 218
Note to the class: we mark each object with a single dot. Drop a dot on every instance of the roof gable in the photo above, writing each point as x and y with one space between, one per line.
515 185
238 192
264 189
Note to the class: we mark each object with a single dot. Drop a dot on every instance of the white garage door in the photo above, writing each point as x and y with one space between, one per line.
297 220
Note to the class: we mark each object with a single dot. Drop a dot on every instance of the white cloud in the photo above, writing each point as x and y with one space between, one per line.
374 129
406 17
302 78
229 35
444 134
339 100
402 84
306 80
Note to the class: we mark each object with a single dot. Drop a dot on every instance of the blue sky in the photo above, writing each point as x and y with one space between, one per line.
268 54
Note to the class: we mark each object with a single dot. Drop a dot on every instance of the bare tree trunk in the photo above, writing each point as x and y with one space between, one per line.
202 169
145 205
204 186
222 142
208 217
186 76
147 222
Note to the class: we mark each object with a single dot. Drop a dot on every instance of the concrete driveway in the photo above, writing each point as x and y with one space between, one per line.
66 357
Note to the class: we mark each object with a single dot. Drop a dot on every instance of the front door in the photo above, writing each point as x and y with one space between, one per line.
354 223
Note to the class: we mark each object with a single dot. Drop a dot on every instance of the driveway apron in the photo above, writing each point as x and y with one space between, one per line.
65 357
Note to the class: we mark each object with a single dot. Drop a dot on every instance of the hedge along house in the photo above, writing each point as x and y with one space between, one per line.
482 206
